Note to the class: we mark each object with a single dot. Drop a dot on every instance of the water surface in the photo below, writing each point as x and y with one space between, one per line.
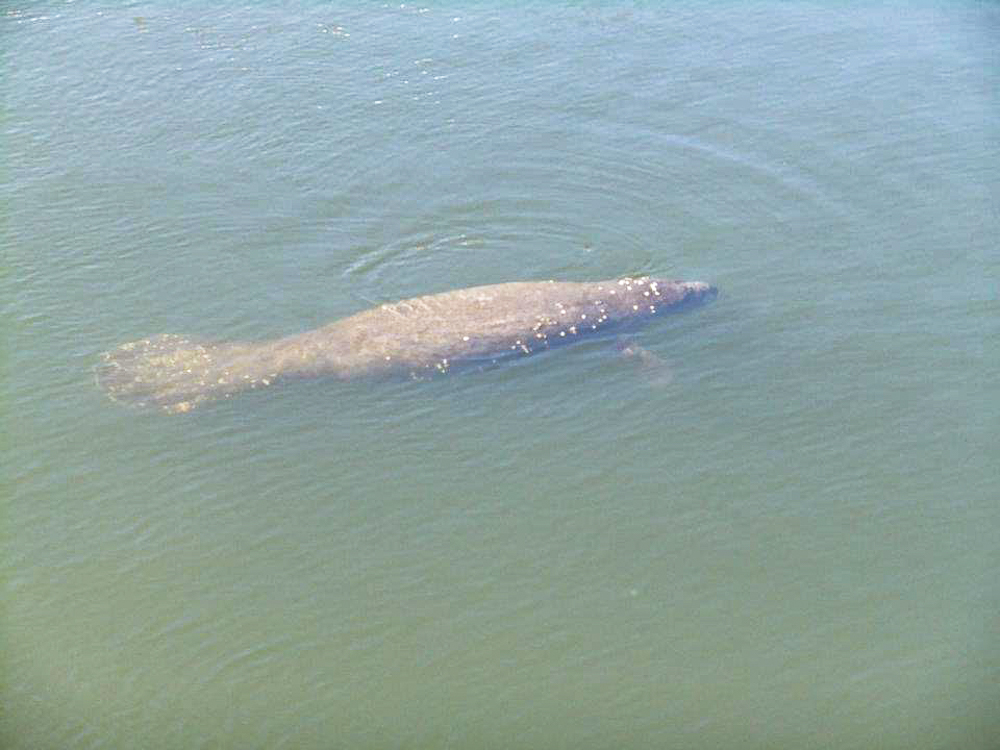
790 544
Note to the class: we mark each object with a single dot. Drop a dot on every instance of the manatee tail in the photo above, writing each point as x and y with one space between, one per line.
173 373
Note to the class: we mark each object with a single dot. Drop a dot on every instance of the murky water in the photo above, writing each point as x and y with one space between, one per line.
776 528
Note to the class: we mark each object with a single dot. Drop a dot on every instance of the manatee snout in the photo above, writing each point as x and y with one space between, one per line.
698 292
691 293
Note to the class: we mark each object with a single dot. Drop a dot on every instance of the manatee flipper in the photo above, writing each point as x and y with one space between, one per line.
656 370
167 371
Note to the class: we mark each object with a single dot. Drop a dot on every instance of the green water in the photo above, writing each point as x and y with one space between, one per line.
792 544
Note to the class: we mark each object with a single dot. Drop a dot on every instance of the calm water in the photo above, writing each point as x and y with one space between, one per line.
792 544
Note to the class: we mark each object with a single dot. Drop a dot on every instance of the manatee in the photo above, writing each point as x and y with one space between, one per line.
418 338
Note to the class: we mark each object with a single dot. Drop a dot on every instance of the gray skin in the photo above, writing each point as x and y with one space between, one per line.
417 338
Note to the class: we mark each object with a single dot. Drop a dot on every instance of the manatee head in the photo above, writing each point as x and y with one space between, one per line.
643 296
694 292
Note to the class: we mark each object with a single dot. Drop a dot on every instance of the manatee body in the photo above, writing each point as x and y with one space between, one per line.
416 337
